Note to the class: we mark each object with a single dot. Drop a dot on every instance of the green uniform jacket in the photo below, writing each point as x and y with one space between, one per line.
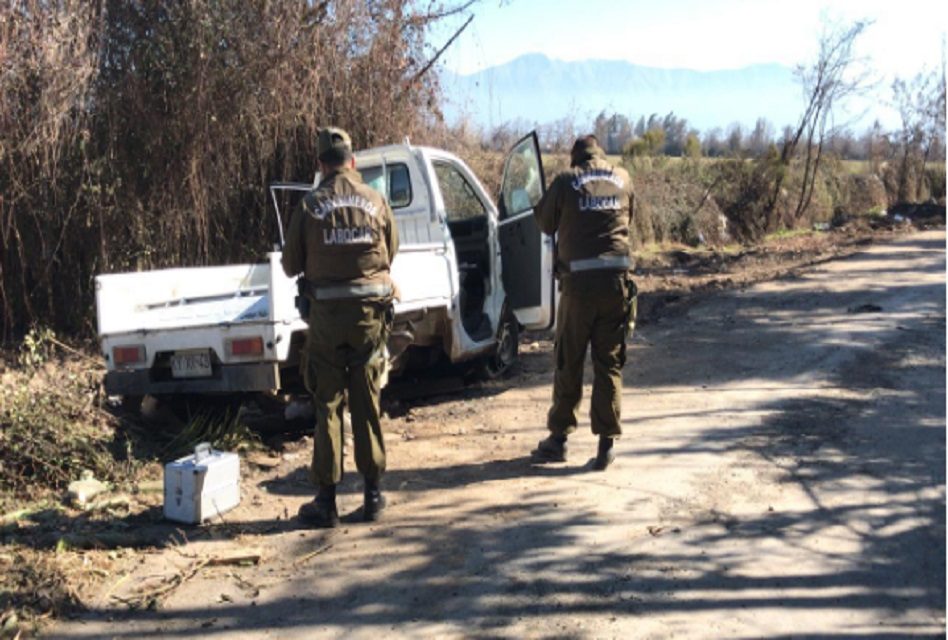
591 207
342 233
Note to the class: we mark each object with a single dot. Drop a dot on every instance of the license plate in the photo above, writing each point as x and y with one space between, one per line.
191 364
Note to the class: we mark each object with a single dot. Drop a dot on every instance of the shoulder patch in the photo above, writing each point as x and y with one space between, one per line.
321 208
592 175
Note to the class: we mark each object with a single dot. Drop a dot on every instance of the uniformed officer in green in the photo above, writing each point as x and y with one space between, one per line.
342 239
590 208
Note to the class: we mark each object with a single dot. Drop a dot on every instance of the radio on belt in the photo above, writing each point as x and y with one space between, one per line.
201 486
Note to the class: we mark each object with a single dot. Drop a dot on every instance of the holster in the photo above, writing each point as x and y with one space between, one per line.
302 301
631 304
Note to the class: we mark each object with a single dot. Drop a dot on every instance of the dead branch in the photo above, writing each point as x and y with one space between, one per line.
236 557
154 597
313 554
450 41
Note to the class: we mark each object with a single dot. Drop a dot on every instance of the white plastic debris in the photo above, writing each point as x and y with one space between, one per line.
84 489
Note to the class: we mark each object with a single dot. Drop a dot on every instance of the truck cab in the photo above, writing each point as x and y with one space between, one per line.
471 273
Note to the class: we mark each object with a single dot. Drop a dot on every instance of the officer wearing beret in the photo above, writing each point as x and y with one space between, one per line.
590 207
342 240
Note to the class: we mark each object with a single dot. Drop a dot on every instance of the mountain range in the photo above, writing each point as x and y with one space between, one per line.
534 89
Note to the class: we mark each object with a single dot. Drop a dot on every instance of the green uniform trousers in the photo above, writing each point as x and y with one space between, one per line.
345 352
592 311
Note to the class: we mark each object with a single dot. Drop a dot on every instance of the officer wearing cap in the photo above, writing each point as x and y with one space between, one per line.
342 239
590 207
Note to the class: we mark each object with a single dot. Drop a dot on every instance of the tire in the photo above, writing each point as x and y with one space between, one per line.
502 359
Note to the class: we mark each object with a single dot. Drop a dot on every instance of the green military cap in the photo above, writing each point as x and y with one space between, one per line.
333 144
583 149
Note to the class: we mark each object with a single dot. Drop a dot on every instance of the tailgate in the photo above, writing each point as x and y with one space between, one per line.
169 299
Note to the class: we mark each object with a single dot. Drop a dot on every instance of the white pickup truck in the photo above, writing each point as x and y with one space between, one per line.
470 273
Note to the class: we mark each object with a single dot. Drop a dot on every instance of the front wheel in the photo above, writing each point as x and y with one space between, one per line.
502 359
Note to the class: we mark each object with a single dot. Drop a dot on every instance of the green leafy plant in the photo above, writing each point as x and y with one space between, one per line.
36 347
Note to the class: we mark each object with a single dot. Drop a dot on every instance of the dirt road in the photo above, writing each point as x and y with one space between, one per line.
783 474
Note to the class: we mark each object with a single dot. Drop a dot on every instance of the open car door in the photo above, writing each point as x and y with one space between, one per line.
286 198
526 254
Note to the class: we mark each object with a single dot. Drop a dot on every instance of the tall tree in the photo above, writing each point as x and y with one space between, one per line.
874 145
618 133
735 139
761 137
834 76
921 106
713 146
601 126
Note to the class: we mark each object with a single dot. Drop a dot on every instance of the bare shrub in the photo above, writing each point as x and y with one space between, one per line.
921 105
675 203
901 181
936 181
863 193
466 141
744 191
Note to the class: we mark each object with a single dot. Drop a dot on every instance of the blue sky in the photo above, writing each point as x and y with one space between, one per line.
906 37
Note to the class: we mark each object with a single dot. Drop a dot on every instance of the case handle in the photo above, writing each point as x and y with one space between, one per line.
202 450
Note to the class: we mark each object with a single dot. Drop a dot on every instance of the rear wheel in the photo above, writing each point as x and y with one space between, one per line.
506 350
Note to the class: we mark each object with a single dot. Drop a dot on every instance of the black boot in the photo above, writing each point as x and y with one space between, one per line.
373 501
605 455
550 449
321 512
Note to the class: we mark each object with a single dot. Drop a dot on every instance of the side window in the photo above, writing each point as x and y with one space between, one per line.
399 186
522 183
395 185
460 199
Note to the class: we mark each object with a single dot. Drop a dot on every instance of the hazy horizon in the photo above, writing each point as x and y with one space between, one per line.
583 88
704 36
902 38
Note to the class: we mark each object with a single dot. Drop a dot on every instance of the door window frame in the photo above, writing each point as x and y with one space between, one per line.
503 214
386 168
473 186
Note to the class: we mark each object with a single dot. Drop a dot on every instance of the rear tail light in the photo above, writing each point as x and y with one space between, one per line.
128 354
245 346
